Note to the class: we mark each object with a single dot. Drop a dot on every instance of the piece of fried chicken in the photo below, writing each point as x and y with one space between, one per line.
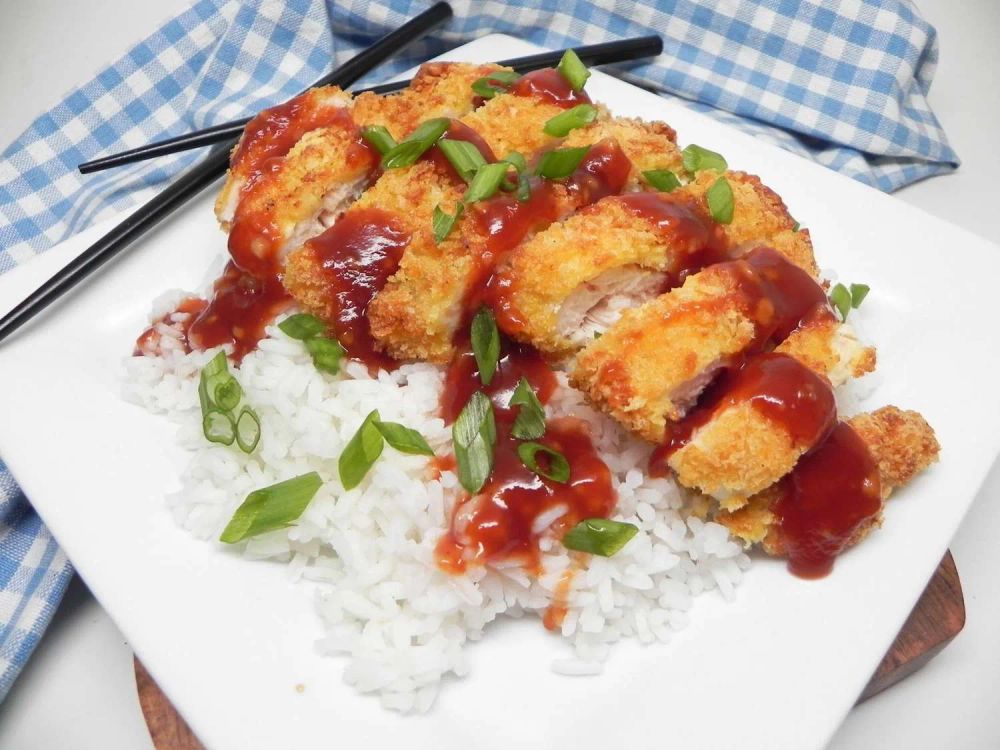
299 165
575 279
420 309
902 444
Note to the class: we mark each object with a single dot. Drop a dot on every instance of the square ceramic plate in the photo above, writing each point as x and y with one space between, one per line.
228 640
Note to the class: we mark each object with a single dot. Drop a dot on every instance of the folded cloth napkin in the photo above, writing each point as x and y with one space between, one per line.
844 83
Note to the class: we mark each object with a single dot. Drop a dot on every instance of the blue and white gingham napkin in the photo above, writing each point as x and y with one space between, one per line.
842 82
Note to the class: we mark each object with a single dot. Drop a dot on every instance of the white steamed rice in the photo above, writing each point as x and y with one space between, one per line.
400 623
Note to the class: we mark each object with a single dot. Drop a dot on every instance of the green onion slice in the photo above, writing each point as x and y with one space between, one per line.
421 139
463 156
662 179
697 158
530 421
326 354
302 326
247 430
379 137
840 298
362 450
404 439
858 294
573 70
557 468
212 373
720 201
516 159
599 536
571 119
485 344
218 427
474 435
443 223
523 188
228 393
560 162
795 226
495 83
486 182
272 508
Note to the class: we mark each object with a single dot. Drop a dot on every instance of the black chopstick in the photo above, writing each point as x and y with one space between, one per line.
201 176
594 54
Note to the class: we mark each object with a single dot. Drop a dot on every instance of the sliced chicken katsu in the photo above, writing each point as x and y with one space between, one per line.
574 279
835 496
299 165
649 368
357 245
458 283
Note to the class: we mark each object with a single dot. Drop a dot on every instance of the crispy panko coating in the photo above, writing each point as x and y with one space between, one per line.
326 169
416 312
401 320
574 279
902 444
648 144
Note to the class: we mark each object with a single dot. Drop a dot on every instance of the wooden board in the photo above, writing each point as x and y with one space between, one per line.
936 619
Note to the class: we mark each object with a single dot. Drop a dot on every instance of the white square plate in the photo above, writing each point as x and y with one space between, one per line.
229 640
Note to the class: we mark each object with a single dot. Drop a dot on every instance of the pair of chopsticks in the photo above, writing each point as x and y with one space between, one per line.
192 182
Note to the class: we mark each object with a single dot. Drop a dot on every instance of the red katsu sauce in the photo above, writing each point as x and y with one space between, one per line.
556 612
274 131
694 239
242 306
549 85
499 523
149 340
778 386
829 496
358 254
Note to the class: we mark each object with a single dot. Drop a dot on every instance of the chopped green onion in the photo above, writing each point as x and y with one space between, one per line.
379 137
840 298
247 430
573 70
361 452
443 223
599 536
272 508
697 158
421 139
571 119
474 435
485 344
326 354
302 326
404 439
560 162
523 187
218 427
495 83
516 159
486 182
597 335
211 374
463 156
530 421
228 393
720 201
662 179
858 294
558 467
795 226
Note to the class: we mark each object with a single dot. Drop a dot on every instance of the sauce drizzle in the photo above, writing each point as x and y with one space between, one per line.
549 85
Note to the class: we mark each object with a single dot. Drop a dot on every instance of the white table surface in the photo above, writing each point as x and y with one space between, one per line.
78 691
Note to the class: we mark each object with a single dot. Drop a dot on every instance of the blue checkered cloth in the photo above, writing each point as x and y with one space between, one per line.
844 83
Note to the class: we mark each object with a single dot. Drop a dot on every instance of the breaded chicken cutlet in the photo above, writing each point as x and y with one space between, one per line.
902 445
299 165
573 280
